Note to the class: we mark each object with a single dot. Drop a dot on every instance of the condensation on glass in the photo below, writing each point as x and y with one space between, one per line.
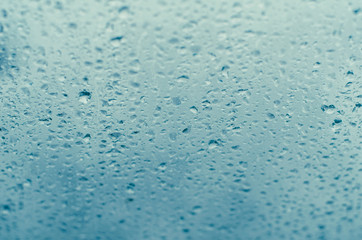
197 119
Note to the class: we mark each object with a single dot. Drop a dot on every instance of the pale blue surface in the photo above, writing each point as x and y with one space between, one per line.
178 119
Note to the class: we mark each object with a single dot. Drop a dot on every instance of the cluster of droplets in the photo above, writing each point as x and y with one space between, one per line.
186 120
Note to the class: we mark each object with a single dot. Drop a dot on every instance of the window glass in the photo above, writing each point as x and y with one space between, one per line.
183 119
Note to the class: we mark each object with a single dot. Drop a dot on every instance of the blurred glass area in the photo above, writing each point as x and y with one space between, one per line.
193 119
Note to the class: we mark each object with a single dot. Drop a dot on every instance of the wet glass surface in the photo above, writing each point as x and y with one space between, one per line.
198 119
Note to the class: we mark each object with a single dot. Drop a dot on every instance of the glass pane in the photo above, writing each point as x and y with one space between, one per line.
194 119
